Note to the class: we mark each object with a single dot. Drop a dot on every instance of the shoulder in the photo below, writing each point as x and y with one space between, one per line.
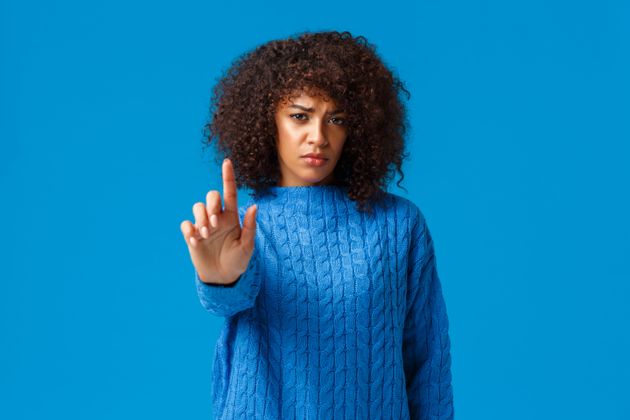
400 207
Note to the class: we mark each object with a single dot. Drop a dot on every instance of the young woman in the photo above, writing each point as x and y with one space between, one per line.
328 284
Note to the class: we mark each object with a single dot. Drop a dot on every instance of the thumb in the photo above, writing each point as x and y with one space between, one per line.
248 231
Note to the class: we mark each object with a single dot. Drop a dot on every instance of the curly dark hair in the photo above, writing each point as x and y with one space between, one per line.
348 70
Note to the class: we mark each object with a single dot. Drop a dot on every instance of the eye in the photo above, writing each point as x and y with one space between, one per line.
340 121
296 115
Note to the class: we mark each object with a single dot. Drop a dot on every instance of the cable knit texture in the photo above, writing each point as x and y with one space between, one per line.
339 315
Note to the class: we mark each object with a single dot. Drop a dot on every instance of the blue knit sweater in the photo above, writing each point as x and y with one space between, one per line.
340 314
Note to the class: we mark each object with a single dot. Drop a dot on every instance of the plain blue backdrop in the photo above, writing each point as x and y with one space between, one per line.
519 160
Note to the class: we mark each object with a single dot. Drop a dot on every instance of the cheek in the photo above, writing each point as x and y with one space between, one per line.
286 145
286 134
340 144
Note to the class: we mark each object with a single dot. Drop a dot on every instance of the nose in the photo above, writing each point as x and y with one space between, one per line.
317 135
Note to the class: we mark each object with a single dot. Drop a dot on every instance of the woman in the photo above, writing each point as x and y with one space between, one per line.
332 302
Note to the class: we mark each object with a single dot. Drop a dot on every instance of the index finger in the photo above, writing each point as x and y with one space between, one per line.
229 186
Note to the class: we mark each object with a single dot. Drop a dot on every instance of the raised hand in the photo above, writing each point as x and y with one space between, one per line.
220 249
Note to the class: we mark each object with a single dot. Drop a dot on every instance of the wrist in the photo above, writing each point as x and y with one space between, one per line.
227 282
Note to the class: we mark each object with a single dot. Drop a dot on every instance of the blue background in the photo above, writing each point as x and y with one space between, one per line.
519 160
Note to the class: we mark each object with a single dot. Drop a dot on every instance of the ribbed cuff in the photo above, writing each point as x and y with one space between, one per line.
223 300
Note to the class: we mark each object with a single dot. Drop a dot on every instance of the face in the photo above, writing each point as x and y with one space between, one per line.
309 124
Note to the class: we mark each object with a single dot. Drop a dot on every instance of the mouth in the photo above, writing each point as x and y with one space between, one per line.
315 155
314 161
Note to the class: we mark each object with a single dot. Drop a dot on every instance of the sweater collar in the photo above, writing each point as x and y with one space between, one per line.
303 194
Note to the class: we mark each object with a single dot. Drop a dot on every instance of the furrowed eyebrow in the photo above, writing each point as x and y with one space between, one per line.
303 108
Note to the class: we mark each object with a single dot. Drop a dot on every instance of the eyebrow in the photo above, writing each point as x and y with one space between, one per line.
303 108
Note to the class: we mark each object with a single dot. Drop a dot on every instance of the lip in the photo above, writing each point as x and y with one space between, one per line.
315 155
312 161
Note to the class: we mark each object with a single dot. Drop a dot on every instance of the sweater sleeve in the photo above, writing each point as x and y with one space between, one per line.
426 342
221 300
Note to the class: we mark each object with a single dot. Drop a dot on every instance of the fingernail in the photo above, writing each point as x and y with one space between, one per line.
213 220
204 231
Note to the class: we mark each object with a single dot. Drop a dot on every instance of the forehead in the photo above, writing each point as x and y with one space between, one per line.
308 97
